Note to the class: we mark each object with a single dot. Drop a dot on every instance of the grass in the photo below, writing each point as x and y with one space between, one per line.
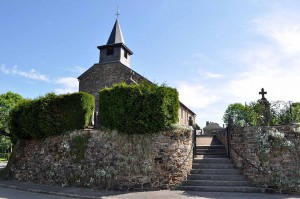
3 160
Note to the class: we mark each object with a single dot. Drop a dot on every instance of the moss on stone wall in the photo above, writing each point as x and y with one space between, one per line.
79 145
107 160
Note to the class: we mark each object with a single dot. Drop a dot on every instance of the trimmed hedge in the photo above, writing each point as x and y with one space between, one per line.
140 109
51 115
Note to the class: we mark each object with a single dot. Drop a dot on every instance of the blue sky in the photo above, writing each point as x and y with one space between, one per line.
214 52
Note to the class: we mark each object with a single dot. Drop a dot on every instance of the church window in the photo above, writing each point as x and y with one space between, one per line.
110 51
125 54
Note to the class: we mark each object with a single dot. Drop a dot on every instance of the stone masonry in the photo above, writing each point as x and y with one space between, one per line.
268 156
105 75
105 160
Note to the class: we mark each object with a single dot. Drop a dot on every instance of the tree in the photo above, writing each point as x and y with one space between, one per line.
288 112
7 102
296 112
254 113
237 112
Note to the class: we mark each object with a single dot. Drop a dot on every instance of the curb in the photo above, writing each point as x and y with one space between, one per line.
70 195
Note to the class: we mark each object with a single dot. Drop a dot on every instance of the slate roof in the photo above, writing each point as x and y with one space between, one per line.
116 35
212 126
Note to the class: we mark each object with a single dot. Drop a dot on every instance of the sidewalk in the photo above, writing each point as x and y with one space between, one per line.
164 194
3 165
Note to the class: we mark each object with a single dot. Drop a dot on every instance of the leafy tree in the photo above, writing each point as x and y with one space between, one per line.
296 112
237 112
278 112
7 102
288 112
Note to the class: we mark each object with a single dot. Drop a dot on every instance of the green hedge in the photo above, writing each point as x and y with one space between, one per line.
51 115
138 109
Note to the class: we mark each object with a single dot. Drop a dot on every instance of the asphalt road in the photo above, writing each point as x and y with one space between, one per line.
8 193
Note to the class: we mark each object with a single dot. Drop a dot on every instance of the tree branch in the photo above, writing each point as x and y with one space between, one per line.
2 132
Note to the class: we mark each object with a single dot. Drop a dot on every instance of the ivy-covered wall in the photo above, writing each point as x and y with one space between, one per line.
105 160
269 156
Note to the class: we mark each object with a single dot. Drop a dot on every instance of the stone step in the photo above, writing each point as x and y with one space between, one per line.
210 156
224 183
210 147
216 171
245 189
216 177
210 152
212 160
204 136
213 166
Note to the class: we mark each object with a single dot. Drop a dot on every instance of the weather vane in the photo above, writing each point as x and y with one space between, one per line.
118 12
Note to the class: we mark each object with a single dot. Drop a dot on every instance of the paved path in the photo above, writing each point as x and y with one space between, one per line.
15 190
2 165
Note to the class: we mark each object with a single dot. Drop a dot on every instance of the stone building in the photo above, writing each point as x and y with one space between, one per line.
114 67
212 127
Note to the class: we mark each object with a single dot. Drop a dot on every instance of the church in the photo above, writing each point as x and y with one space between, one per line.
114 67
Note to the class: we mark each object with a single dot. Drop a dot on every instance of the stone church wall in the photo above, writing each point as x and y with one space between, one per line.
105 75
105 160
268 156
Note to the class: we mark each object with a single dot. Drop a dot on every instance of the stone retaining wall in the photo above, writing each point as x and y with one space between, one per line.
268 156
105 160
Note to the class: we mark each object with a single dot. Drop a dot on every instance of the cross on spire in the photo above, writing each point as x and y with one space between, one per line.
262 93
118 12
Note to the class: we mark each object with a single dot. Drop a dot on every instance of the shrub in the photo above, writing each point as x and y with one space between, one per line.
51 115
144 108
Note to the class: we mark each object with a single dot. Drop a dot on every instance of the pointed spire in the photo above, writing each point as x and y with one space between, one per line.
116 35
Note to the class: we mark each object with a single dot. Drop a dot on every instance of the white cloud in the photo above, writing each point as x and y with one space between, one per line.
212 75
271 62
31 74
65 90
69 82
195 95
4 69
283 28
273 65
70 85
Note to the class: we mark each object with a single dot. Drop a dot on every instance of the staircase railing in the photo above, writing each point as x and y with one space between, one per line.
194 143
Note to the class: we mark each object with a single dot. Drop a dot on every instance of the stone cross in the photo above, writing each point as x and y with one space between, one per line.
262 93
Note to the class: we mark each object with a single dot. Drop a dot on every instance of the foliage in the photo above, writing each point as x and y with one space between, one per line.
254 113
273 145
5 145
79 146
51 115
143 108
237 112
7 102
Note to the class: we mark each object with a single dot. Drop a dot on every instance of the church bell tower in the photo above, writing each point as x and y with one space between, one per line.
115 49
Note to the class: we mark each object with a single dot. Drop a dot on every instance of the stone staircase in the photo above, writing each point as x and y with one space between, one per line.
213 171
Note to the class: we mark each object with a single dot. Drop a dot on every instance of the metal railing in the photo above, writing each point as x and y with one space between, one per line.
194 143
